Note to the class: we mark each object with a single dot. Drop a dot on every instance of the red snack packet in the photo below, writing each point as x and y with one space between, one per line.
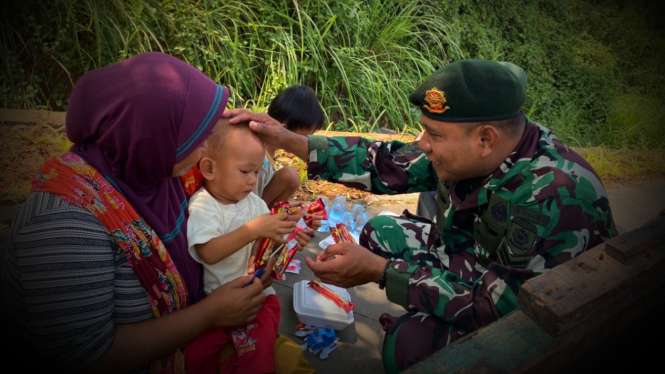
318 207
267 247
286 255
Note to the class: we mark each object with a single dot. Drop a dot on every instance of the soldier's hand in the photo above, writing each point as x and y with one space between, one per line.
351 266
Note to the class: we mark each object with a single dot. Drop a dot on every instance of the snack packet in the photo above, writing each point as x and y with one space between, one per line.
286 255
332 295
269 248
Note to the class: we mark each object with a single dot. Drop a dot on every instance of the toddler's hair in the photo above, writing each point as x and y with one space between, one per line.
218 137
298 108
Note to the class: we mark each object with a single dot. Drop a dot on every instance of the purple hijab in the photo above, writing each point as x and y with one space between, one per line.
133 121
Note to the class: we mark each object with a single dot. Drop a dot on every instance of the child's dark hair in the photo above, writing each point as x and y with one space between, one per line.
298 108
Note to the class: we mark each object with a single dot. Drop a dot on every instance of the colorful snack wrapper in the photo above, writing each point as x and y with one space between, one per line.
332 295
318 208
287 254
340 234
268 248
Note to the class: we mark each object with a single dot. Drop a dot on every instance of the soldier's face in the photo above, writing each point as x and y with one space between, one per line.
451 149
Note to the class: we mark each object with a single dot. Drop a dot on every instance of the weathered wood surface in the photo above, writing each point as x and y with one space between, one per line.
590 312
516 344
32 116
58 118
594 285
634 243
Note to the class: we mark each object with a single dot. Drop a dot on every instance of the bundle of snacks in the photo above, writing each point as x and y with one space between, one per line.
340 234
284 253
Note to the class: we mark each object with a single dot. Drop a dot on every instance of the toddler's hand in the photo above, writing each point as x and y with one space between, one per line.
273 226
303 238
250 265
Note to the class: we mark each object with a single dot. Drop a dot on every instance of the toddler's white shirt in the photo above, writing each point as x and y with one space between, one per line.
208 219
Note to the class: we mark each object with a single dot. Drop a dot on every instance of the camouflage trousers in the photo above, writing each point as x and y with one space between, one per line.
414 335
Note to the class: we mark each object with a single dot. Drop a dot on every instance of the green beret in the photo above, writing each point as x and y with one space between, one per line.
472 91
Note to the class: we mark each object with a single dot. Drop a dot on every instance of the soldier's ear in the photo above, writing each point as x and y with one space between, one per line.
487 138
207 168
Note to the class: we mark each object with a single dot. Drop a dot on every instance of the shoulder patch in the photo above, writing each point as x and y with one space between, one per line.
538 218
521 237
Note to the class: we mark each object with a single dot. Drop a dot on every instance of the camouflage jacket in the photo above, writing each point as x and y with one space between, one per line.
543 206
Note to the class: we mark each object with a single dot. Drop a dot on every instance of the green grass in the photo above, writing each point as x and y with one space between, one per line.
595 69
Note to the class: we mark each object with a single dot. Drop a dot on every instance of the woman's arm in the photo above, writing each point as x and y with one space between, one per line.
135 345
74 303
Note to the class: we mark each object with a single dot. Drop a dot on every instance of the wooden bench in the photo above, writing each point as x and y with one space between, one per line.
603 309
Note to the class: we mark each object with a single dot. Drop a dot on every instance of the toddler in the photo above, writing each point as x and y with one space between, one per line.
225 220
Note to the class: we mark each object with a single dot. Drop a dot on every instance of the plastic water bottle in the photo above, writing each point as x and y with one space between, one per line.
357 209
324 226
348 220
336 213
325 202
340 199
362 219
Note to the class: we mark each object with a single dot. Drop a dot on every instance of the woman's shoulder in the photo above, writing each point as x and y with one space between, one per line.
44 206
44 216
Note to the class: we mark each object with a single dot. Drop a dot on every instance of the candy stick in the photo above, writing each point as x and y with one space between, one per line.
332 295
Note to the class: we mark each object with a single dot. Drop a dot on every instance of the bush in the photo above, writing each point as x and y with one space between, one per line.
593 66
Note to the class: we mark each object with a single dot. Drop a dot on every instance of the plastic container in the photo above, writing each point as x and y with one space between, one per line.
314 309
323 244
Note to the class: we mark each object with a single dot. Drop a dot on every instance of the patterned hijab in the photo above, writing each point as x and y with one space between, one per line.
133 121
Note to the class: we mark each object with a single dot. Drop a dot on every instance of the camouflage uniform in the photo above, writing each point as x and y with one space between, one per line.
543 206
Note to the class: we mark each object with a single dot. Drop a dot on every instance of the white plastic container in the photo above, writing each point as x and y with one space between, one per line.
317 310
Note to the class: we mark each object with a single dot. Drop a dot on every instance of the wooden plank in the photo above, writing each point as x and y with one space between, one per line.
383 137
32 116
58 118
516 344
634 243
590 286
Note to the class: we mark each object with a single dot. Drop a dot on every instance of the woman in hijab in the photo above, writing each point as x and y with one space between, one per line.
97 273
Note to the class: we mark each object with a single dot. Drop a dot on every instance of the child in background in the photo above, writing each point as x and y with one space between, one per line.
225 221
298 109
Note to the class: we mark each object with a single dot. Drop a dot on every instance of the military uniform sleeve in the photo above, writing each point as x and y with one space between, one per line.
539 236
379 167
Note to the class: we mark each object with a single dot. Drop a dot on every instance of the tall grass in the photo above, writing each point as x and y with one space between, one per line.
595 70
361 57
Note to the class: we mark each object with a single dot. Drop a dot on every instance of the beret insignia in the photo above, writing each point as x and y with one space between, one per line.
435 99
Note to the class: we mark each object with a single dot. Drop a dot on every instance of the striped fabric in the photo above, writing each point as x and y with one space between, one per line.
74 283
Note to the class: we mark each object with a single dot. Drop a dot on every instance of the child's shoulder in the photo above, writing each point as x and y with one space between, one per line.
201 199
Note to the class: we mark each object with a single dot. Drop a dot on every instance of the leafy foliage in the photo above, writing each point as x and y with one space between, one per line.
595 68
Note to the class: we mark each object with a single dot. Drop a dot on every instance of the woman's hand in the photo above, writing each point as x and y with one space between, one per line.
353 265
236 302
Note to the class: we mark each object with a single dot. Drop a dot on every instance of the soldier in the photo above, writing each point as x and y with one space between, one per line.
512 202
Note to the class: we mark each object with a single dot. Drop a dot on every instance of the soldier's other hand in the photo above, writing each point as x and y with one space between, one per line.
347 265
